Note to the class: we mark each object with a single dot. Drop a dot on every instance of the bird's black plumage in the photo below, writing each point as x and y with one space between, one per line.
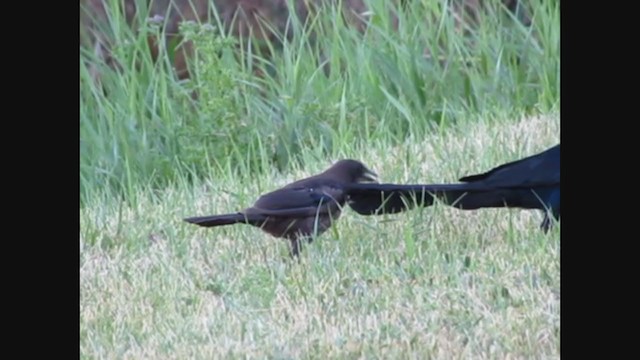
530 183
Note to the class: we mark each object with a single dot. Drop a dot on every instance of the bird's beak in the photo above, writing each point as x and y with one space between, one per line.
369 176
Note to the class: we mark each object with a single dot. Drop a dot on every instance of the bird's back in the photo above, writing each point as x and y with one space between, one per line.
540 170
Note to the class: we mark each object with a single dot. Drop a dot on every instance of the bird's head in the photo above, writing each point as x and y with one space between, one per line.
353 171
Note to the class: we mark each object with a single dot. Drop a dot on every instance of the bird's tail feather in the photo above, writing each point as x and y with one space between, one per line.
367 199
225 219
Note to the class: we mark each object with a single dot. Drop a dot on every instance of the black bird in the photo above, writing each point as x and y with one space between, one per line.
301 209
529 183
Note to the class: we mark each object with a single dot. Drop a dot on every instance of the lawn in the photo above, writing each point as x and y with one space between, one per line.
435 282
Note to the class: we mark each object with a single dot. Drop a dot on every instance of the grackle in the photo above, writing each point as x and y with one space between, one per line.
300 209
529 183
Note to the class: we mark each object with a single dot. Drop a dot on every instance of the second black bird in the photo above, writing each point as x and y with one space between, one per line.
529 183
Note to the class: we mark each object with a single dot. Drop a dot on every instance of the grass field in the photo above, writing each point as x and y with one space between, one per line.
431 283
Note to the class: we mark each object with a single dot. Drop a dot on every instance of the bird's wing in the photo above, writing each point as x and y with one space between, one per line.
542 169
303 201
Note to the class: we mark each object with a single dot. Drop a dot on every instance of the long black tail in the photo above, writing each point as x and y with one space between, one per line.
371 199
225 219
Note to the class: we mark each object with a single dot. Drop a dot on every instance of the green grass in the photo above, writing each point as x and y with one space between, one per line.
431 283
381 87
436 282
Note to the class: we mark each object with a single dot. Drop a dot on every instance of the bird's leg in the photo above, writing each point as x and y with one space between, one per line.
296 244
294 251
547 222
